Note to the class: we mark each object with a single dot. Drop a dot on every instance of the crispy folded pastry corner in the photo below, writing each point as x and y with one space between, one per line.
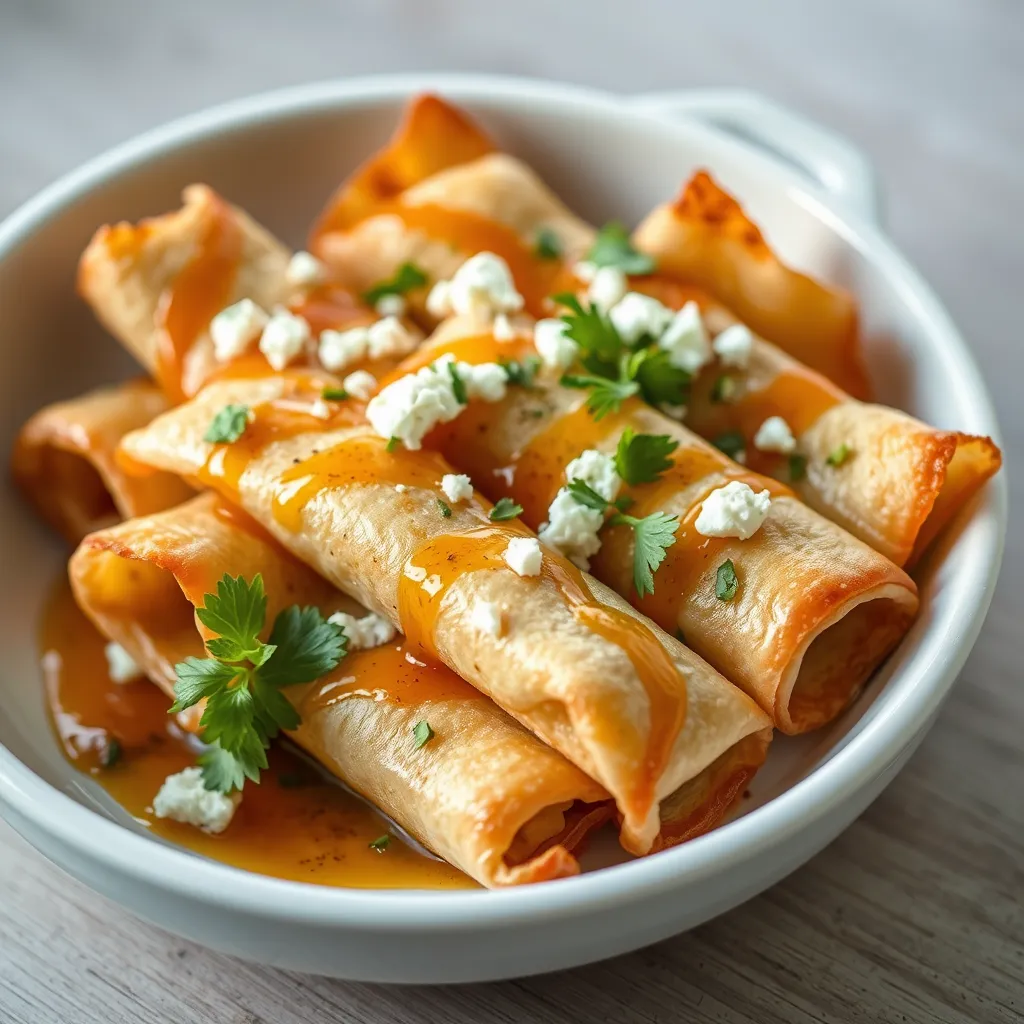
706 239
64 461
486 795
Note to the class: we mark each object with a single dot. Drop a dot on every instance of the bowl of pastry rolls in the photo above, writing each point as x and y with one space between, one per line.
461 527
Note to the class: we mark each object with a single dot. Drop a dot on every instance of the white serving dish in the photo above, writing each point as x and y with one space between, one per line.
279 156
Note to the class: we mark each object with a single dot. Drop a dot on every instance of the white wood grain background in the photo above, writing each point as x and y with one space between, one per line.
917 912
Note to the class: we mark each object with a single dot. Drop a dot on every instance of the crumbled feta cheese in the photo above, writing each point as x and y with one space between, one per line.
686 340
486 381
371 630
774 435
456 487
183 797
585 271
572 529
735 510
360 384
502 328
608 287
597 470
416 573
410 407
401 488
339 349
320 409
388 337
390 305
482 286
121 666
636 315
432 584
304 270
284 338
523 556
486 616
556 350
734 345
234 329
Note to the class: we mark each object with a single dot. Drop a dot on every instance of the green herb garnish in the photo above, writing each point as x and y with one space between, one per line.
228 425
381 843
393 443
422 734
726 583
521 372
242 682
642 458
334 394
111 753
444 508
612 248
732 443
797 467
458 385
839 455
548 245
606 396
407 277
652 537
723 389
504 508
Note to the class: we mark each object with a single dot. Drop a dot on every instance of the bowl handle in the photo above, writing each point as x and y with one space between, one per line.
831 162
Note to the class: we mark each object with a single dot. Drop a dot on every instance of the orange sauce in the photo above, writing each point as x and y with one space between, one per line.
332 307
297 824
471 233
199 292
475 349
442 560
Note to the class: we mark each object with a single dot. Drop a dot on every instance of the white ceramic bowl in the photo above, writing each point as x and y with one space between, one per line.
280 156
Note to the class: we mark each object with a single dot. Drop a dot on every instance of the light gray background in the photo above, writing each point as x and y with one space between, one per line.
917 912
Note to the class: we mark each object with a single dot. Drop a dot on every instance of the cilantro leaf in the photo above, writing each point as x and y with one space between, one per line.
642 458
222 771
548 246
586 495
839 455
723 389
236 612
653 536
600 345
307 647
407 277
521 372
606 395
458 385
732 443
334 394
198 678
380 844
228 425
797 467
726 582
228 716
393 443
660 382
612 248
273 707
504 508
444 508
422 734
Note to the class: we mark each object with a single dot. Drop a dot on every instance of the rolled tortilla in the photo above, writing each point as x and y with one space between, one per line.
156 286
622 700
900 482
705 239
63 460
438 194
817 610
484 793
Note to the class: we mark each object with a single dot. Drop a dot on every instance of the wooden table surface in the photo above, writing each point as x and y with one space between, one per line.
917 912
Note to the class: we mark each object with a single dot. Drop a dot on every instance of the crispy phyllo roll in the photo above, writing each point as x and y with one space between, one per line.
64 461
468 584
483 792
789 606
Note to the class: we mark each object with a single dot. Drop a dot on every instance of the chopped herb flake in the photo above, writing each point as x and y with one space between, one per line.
381 843
797 467
612 248
407 277
726 583
548 245
422 734
444 508
505 508
732 443
839 455
228 425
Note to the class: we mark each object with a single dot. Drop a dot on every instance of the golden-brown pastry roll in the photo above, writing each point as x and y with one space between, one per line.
704 238
64 461
885 476
159 284
815 611
572 661
438 194
483 793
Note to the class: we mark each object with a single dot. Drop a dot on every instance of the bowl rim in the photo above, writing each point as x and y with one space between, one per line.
911 699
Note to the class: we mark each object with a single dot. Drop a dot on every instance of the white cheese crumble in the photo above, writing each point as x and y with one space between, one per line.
482 286
572 528
388 337
456 487
234 329
183 797
391 304
636 315
585 271
686 340
523 556
372 630
486 617
304 270
774 435
502 328
734 510
320 409
339 349
486 381
121 666
557 351
401 488
734 345
284 338
360 384
608 287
